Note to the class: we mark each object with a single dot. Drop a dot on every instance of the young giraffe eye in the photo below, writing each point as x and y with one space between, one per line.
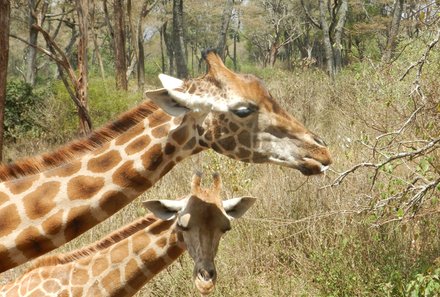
244 111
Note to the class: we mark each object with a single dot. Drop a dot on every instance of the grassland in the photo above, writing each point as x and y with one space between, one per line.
303 237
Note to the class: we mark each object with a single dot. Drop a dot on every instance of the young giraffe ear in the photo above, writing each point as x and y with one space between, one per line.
237 207
164 209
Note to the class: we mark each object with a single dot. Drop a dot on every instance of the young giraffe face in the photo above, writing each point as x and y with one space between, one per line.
202 218
237 117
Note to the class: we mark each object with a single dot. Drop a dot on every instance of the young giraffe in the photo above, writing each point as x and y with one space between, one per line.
48 200
122 263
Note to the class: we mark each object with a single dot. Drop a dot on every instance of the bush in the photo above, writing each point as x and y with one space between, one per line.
22 119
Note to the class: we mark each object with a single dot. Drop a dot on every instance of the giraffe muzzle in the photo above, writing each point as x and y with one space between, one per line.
205 281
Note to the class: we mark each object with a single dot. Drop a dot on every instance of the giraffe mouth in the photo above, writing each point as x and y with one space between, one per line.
203 285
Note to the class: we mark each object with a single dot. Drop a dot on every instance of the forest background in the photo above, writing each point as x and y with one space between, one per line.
364 74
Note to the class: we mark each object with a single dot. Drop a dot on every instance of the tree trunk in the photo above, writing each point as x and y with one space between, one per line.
223 34
178 39
31 57
95 41
393 31
82 8
119 45
170 48
5 10
328 49
162 55
339 30
140 43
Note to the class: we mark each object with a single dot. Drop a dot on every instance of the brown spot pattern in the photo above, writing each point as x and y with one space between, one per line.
169 149
245 138
9 219
138 144
167 168
84 187
32 243
228 143
79 220
20 185
174 252
6 261
110 281
40 201
190 144
3 198
99 266
180 135
79 277
51 286
65 170
160 131
156 265
153 157
127 176
161 242
119 252
53 224
140 241
113 201
104 162
136 279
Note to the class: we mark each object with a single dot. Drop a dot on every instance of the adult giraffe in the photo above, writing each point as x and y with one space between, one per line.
121 263
50 199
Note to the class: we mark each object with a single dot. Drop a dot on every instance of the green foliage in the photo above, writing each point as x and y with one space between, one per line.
105 103
23 115
424 285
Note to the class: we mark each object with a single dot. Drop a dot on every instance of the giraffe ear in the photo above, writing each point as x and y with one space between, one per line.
162 98
164 209
237 207
175 100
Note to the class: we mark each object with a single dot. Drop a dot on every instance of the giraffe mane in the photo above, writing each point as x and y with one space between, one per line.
34 165
95 247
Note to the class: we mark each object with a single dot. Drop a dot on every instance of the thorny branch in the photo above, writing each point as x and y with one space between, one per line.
411 193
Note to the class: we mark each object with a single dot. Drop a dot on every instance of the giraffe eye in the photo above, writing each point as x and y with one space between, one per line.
244 111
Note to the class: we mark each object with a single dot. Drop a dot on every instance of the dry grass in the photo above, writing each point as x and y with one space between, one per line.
302 239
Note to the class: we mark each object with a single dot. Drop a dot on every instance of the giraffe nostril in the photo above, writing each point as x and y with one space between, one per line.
319 141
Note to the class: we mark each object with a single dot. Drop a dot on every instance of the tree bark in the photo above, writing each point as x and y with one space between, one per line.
5 11
119 45
393 31
328 49
339 30
223 33
95 41
82 8
178 39
145 10
170 48
31 57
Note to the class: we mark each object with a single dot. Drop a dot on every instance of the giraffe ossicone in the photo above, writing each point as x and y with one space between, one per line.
48 200
121 263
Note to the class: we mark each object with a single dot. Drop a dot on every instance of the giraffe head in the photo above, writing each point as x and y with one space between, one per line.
237 116
202 218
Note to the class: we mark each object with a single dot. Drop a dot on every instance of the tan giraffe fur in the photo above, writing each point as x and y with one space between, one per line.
48 200
120 264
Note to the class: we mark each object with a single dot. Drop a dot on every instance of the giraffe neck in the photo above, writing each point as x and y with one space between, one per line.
43 211
118 270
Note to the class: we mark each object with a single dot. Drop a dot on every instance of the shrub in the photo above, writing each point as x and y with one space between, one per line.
22 119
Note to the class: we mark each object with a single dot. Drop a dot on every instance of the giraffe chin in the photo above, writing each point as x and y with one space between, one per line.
205 287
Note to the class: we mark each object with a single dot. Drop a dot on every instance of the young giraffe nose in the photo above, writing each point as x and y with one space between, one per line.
206 274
